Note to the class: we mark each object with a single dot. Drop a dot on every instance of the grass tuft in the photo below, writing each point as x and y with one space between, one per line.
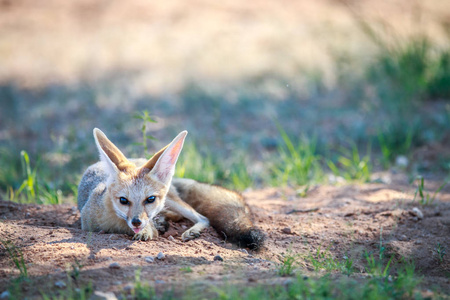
32 190
323 260
146 119
425 198
198 166
298 163
17 257
288 264
141 290
440 252
351 166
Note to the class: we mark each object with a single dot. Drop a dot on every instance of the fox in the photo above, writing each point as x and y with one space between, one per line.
130 196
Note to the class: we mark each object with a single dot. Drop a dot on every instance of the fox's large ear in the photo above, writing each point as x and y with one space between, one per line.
162 164
110 154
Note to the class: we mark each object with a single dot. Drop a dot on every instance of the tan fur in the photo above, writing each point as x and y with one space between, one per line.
225 209
115 177
105 182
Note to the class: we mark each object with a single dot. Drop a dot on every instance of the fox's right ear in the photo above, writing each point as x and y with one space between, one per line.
162 164
110 154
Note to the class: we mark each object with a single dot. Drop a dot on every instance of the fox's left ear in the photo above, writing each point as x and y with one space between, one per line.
113 158
162 164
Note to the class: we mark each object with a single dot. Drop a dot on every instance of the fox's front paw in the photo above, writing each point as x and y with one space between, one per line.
148 232
190 234
194 231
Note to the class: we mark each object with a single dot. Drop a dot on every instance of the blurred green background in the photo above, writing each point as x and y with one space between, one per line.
273 93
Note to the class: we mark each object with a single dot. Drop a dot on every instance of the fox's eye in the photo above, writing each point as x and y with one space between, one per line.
124 201
150 199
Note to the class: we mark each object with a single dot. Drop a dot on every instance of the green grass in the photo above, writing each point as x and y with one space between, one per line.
298 163
394 141
288 265
440 252
76 267
406 71
396 83
29 185
15 254
381 282
71 292
143 291
425 198
31 189
186 269
326 287
375 266
240 177
324 260
351 166
199 166
232 172
146 120
10 170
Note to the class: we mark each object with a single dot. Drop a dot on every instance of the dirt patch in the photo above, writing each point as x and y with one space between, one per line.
345 220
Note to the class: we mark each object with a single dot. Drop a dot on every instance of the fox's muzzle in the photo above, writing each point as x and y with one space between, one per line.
136 222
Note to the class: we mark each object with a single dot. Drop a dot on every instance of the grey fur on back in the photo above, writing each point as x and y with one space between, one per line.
94 176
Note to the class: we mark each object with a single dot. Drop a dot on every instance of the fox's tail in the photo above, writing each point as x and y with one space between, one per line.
226 211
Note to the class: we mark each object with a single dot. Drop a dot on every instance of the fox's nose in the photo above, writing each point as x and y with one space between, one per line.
136 222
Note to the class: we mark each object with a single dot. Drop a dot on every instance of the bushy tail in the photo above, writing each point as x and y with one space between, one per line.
252 237
226 211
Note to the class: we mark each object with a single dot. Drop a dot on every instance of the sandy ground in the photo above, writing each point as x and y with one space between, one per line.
347 220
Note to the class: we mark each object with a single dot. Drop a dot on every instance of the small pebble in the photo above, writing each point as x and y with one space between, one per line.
243 251
60 284
286 230
170 238
417 212
149 259
160 256
114 265
218 258
128 288
403 238
98 295
401 161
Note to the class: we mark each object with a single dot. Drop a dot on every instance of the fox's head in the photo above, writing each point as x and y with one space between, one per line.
138 194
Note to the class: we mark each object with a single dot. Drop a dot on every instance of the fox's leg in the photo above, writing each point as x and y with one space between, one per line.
175 204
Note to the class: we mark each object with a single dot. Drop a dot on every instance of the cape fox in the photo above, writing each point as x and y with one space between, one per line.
120 195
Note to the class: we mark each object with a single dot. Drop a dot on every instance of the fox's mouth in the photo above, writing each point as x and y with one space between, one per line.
136 230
